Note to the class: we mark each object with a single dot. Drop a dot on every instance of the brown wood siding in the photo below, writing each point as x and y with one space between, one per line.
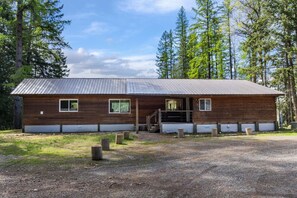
237 109
94 109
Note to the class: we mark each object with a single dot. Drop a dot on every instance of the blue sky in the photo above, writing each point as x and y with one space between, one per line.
117 38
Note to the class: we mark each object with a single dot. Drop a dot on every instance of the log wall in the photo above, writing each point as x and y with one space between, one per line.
237 109
94 109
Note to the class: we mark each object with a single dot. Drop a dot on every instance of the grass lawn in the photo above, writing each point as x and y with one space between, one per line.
51 148
67 149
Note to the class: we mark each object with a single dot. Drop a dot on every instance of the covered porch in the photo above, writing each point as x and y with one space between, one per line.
176 110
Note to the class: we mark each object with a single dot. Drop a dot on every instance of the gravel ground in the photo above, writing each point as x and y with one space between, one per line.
236 166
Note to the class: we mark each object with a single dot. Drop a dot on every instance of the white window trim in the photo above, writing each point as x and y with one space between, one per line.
180 99
120 100
68 107
204 104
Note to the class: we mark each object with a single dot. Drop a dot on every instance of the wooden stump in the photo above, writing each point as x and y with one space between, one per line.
96 152
180 133
214 132
119 138
126 135
248 131
105 144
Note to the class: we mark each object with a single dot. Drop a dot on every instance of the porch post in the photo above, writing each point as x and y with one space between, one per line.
188 109
137 116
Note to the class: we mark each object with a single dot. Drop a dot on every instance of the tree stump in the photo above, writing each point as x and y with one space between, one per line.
96 152
119 138
248 131
105 144
214 132
180 133
126 135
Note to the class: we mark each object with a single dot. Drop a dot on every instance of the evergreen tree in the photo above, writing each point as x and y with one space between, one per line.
210 47
162 57
7 54
228 9
171 56
44 41
258 42
284 31
31 45
181 42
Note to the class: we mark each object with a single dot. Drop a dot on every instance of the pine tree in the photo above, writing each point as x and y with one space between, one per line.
44 41
210 47
258 42
181 42
31 45
228 9
7 63
284 15
171 56
162 57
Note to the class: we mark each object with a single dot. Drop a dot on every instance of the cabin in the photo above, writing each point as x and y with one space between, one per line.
165 105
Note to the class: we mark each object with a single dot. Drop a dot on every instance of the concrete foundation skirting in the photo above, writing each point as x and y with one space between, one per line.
42 128
173 127
229 128
79 128
164 128
266 126
117 127
205 128
248 125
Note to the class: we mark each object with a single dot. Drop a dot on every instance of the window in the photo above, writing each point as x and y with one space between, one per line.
205 104
174 104
119 106
68 105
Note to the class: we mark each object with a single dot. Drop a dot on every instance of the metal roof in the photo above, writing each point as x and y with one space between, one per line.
145 86
70 86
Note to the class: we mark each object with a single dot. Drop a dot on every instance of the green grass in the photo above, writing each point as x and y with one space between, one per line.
74 149
284 132
51 148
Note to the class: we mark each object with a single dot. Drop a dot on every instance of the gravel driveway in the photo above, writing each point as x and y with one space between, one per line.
239 166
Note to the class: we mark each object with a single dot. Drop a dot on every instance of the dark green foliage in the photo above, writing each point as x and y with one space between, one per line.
39 48
210 47
181 39
165 59
7 54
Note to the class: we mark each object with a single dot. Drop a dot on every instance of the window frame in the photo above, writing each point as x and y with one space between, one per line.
204 99
119 99
176 99
69 111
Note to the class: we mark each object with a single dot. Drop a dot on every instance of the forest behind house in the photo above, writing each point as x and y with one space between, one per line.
254 40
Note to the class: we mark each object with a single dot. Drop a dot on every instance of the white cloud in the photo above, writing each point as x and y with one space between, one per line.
155 6
96 28
97 64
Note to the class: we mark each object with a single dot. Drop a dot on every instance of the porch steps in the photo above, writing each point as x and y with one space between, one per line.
154 128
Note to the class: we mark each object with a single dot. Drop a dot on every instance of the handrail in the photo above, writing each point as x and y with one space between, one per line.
181 111
158 116
149 118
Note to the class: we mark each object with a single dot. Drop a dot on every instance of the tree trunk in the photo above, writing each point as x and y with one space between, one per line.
230 44
265 69
234 65
19 35
17 117
293 88
208 40
19 59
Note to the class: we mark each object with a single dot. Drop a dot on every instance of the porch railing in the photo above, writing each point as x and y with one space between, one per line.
160 116
176 116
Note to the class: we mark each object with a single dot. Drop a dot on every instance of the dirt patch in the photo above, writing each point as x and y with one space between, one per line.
191 167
